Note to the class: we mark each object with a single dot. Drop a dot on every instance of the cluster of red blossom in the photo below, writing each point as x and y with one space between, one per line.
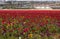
29 26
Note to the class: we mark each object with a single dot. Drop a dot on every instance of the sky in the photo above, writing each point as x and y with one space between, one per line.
31 0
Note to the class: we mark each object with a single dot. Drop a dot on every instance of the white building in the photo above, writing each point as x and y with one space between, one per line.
28 0
2 0
32 0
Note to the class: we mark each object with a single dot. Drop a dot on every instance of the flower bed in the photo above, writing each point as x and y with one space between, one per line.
29 24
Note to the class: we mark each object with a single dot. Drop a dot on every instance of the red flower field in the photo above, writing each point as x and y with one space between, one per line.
30 24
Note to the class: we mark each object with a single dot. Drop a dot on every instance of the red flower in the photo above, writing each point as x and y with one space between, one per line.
19 29
46 16
11 31
3 22
14 28
4 29
45 21
42 24
26 30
